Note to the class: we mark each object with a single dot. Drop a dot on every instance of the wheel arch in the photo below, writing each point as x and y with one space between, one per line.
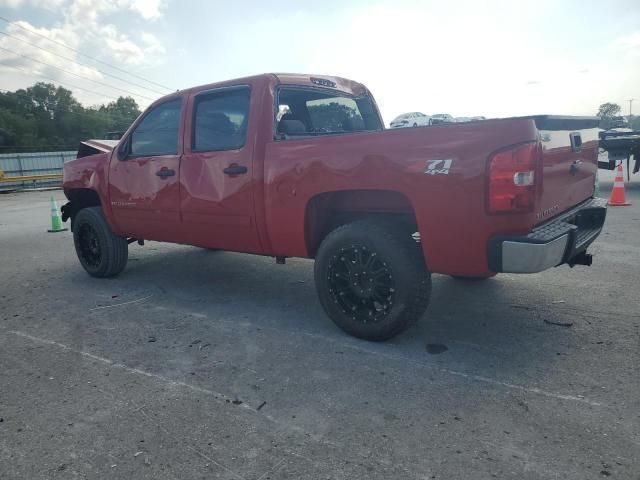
328 210
79 198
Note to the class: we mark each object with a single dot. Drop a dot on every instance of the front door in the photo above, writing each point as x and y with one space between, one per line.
144 177
216 172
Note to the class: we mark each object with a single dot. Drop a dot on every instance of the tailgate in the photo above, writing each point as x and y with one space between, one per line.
569 162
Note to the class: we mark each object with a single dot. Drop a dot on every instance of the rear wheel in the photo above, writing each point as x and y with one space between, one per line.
371 280
100 251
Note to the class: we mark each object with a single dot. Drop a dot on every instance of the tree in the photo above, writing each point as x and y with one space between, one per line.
121 113
44 116
608 110
330 117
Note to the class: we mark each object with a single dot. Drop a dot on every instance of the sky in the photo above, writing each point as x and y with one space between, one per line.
466 58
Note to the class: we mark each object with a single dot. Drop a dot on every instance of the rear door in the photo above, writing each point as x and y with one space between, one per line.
569 162
216 172
143 175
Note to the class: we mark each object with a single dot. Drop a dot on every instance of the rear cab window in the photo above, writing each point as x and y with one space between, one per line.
307 111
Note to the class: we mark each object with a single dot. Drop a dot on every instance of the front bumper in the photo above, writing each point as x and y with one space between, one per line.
561 240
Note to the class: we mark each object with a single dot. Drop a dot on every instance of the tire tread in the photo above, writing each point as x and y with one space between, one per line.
116 248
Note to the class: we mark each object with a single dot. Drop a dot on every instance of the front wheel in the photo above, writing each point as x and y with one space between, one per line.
101 252
371 280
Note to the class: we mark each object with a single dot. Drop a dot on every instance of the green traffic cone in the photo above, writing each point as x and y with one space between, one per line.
56 221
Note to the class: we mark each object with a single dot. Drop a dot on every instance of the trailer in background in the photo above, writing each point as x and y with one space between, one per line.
620 145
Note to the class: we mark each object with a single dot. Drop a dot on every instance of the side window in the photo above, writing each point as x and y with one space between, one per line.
157 133
220 120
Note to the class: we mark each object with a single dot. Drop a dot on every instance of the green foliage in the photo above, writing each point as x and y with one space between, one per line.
48 117
329 117
608 110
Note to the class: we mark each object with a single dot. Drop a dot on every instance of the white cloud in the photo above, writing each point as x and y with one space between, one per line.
629 44
149 9
84 28
46 4
430 57
128 52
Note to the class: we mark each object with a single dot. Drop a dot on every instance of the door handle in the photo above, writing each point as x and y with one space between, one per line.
165 172
235 169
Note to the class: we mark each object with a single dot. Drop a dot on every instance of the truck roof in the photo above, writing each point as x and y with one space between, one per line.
340 84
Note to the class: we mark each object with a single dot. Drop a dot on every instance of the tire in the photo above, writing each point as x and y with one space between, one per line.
415 124
390 261
100 251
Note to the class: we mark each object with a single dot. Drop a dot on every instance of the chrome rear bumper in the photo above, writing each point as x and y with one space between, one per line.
561 240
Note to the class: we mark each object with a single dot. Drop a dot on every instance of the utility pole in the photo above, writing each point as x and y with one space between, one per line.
630 103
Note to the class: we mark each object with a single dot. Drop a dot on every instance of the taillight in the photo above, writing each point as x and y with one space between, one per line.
512 179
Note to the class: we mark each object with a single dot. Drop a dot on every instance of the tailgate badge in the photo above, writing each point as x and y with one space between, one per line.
547 211
438 167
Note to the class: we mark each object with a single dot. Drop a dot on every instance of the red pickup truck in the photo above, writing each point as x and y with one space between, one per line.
301 166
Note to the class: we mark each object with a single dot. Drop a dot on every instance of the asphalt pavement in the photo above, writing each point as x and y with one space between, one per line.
195 364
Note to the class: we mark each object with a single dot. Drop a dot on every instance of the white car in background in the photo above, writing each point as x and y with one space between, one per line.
413 119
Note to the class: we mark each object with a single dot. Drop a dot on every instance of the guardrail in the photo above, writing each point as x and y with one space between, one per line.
26 178
33 170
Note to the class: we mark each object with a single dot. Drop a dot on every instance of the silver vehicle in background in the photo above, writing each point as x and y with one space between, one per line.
412 119
469 119
441 118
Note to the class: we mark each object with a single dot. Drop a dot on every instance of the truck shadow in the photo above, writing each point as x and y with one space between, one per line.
495 324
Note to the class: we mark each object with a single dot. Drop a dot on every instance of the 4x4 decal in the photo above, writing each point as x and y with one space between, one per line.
438 167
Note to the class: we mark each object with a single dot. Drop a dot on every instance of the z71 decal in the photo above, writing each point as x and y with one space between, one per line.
438 167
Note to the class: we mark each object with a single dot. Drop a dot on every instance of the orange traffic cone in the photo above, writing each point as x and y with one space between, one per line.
617 198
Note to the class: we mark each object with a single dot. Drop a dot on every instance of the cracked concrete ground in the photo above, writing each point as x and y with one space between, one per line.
199 364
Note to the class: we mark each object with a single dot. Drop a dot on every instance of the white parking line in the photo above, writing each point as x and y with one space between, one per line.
404 359
216 395
477 378
136 371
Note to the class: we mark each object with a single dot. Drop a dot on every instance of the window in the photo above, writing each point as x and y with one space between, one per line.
305 112
157 133
334 114
220 120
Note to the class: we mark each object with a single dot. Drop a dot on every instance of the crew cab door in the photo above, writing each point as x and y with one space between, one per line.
144 176
217 171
